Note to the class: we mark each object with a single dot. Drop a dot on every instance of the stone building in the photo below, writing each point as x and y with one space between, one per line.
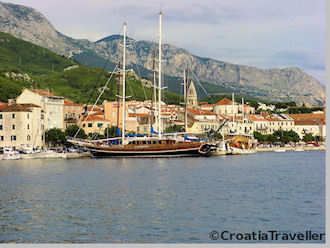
53 106
21 126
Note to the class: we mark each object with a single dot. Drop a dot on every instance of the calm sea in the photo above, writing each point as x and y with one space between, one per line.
160 200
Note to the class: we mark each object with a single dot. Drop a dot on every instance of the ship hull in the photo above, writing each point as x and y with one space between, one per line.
99 153
148 148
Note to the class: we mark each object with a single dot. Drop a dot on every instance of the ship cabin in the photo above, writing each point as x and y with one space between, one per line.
152 142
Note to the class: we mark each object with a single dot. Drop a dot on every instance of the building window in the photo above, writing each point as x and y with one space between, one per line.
28 115
28 126
13 127
13 138
84 125
13 116
2 138
0 116
99 125
1 127
28 138
90 124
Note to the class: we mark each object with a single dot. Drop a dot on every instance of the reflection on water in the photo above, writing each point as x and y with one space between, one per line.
160 200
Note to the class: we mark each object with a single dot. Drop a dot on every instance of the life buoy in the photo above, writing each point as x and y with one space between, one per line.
205 149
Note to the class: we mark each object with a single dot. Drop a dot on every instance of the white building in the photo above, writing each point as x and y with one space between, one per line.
309 124
53 106
21 126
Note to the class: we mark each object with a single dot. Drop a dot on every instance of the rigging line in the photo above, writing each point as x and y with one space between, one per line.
99 78
105 86
199 83
139 75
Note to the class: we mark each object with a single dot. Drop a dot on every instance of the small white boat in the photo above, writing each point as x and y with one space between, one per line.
10 154
240 151
299 149
279 150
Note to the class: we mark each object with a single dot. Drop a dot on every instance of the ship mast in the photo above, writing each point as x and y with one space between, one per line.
124 85
160 76
185 88
154 94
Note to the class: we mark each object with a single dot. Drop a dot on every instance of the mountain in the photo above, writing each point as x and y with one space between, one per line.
272 84
30 25
25 65
218 77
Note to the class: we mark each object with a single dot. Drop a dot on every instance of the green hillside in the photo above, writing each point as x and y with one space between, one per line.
23 64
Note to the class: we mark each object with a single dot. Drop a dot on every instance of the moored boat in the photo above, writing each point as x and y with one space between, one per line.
10 154
151 146
148 147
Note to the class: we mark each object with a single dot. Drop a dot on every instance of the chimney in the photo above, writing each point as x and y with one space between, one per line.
11 101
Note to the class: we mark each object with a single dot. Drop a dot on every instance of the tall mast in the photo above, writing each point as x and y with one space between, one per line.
160 76
185 100
243 108
233 105
124 85
118 98
154 96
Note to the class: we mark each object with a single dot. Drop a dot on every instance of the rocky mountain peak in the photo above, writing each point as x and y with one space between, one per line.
281 84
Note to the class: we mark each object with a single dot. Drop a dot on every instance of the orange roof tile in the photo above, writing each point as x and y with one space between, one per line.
200 112
71 103
3 105
224 101
18 107
308 119
95 118
257 118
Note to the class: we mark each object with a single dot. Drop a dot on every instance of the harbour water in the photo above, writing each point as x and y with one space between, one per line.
160 200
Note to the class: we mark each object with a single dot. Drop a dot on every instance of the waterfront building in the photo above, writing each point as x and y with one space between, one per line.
260 123
266 123
226 107
201 120
279 122
53 106
138 123
229 108
72 113
95 123
313 123
238 125
206 106
21 126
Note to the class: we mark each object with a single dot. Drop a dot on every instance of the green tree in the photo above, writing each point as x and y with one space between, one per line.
286 136
308 137
174 129
271 138
71 131
259 136
55 137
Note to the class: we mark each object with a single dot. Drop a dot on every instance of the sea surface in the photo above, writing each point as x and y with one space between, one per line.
160 200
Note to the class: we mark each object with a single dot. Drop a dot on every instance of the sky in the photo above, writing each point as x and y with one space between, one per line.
262 33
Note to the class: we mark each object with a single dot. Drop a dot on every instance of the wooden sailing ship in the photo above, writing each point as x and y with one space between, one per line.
151 146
